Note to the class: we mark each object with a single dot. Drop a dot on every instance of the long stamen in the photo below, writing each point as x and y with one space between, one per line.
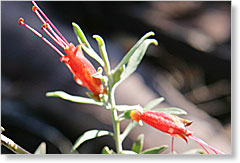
59 40
48 20
199 141
21 22
44 26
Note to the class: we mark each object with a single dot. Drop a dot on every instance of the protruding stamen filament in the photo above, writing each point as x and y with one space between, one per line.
43 27
21 22
50 23
59 40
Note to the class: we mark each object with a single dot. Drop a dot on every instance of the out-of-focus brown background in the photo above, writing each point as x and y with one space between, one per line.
191 68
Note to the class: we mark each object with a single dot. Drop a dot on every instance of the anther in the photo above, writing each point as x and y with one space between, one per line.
21 21
44 26
34 8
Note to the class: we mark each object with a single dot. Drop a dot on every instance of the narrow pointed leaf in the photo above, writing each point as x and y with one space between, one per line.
41 149
88 135
93 54
171 110
80 35
153 103
156 150
117 74
103 52
86 46
138 144
76 99
132 50
136 58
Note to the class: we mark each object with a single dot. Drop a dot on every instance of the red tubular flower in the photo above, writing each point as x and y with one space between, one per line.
75 60
171 125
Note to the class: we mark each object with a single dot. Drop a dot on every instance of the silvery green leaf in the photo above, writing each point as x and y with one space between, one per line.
85 44
153 103
132 59
80 35
41 149
88 135
132 50
138 144
136 58
171 110
156 150
93 54
76 99
103 52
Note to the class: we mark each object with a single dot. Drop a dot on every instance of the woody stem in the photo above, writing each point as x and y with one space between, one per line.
12 145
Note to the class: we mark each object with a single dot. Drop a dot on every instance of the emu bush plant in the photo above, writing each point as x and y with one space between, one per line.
102 84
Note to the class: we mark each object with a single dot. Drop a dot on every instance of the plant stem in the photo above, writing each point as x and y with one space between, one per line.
116 122
116 128
12 145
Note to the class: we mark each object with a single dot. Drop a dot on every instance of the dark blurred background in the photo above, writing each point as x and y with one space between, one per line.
191 68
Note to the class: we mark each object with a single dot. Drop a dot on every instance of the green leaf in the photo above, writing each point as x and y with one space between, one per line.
80 35
136 58
76 99
132 50
88 135
41 149
117 74
138 144
106 150
153 103
156 150
128 152
93 54
171 110
86 46
103 52
194 151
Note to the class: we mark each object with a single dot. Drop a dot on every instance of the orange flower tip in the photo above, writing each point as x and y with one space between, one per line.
21 21
44 26
34 8
135 115
186 122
